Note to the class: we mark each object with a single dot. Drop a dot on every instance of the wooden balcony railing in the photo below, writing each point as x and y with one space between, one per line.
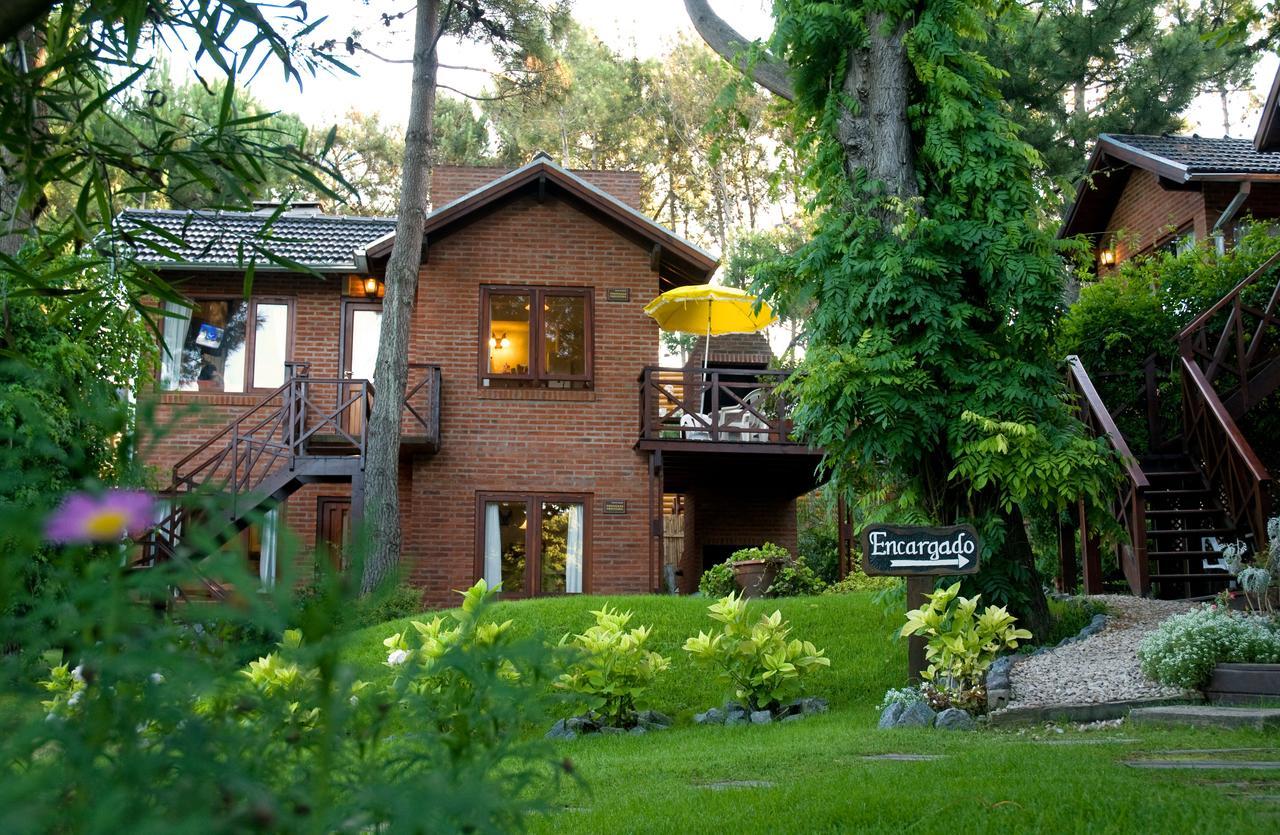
1129 503
1226 458
714 405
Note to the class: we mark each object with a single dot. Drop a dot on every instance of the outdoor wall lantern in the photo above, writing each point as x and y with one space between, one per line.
1107 257
373 286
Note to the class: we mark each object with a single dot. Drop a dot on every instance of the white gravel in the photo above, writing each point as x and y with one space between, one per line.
1103 668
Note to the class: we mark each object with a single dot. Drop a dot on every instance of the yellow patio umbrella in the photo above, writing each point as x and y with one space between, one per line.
711 310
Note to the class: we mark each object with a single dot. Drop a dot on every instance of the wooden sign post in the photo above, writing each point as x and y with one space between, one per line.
919 554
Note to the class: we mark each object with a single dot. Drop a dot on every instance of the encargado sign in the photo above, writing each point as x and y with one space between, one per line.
903 550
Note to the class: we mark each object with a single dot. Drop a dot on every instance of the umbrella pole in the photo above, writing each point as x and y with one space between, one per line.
706 346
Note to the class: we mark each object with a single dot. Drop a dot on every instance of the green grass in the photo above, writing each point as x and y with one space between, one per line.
853 630
815 773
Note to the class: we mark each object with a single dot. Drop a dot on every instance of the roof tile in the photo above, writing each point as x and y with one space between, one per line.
1205 155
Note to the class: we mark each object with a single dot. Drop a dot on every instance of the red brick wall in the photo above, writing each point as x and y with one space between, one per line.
733 516
449 182
532 440
1146 213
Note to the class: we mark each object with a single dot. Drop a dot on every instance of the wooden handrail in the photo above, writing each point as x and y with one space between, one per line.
1218 306
731 417
1219 412
1093 402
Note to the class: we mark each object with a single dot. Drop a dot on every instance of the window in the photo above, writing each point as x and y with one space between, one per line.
533 544
536 336
1184 240
213 347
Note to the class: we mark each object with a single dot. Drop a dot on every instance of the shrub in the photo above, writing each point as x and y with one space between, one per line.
960 644
769 552
612 668
905 696
400 601
856 581
1068 616
1183 650
795 579
717 581
754 656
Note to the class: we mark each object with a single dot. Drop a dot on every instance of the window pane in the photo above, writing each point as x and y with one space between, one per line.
213 350
504 546
561 547
270 344
366 327
565 329
508 337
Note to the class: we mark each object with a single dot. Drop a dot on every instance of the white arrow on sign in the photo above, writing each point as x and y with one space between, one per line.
959 562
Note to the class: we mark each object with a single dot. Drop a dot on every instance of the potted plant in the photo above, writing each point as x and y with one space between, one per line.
754 569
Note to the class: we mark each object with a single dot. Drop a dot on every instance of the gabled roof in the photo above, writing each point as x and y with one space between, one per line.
1179 162
674 258
218 240
1268 136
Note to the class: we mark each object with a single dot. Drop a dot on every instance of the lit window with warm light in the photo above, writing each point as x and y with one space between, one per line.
536 336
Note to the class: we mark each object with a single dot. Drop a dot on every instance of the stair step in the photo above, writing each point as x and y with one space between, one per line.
1187 531
1156 555
1153 473
1182 511
1215 576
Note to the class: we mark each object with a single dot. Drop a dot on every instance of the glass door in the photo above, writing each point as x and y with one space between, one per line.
362 323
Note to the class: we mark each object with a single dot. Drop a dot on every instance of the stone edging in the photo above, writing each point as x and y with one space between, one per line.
999 688
1039 714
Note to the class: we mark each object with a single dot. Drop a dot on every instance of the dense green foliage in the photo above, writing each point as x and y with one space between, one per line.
793 577
612 668
929 379
1182 652
753 655
961 642
1136 312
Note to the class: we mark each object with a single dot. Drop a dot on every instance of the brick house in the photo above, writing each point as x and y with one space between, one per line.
541 440
1142 194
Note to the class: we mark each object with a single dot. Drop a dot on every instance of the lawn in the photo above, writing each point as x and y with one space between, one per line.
822 774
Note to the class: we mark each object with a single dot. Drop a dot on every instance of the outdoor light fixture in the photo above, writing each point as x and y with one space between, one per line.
1107 257
370 286
373 287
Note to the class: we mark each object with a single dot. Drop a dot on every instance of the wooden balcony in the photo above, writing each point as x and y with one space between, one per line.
722 423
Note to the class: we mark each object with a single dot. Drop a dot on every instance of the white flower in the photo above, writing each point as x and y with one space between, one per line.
78 673
355 701
157 678
75 698
397 657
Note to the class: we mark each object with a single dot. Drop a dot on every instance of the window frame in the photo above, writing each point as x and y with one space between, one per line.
250 339
537 374
533 536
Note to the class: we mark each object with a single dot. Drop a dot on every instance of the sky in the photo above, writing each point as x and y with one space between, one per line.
634 29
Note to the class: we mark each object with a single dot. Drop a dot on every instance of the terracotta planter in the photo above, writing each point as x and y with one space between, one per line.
755 576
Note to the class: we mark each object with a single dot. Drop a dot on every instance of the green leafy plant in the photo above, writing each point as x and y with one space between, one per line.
717 581
961 644
769 552
795 579
1184 649
755 655
611 667
856 581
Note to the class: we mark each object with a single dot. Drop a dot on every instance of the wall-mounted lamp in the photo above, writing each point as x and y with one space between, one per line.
1107 257
374 287
496 341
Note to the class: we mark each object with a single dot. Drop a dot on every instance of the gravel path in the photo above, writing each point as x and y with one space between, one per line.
1103 668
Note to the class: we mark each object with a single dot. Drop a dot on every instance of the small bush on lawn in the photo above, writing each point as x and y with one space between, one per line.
612 668
1068 616
717 581
1183 650
856 581
754 655
794 578
960 644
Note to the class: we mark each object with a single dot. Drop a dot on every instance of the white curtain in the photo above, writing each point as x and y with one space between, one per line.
175 334
267 542
573 557
492 545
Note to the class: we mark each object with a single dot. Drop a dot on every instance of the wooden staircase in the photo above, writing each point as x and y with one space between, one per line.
1205 487
308 431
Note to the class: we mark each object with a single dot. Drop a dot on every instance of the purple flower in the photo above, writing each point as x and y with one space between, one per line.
84 518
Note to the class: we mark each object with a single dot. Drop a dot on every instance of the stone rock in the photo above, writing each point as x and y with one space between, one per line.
737 717
561 730
610 730
812 704
638 730
954 719
997 699
714 716
653 719
793 717
889 718
916 715
761 717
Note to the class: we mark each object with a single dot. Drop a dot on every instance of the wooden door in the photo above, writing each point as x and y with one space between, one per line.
361 324
333 516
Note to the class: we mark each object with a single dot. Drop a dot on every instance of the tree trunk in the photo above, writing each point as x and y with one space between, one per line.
18 211
382 466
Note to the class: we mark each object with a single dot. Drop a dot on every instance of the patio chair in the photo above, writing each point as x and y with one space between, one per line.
752 428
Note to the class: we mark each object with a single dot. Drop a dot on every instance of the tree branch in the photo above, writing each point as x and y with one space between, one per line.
16 14
769 72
